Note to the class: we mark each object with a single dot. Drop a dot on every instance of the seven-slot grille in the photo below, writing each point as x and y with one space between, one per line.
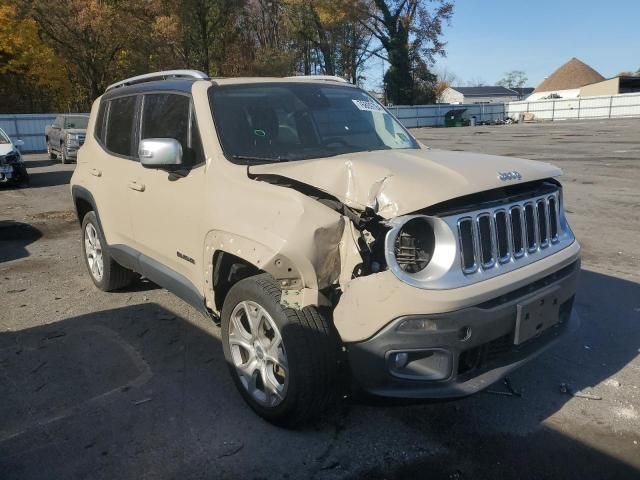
508 233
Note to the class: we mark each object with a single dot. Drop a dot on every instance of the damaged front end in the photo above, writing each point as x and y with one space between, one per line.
426 300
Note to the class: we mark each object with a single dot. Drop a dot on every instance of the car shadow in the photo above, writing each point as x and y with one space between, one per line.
49 179
41 163
141 391
14 238
497 434
139 284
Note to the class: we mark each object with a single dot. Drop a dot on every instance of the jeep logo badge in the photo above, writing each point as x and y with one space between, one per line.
507 176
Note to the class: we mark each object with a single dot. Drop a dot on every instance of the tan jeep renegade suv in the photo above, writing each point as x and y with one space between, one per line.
327 241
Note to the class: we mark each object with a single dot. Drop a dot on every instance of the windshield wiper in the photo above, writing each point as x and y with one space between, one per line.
257 159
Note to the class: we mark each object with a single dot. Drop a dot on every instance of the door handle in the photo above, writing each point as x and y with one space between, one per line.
138 187
95 172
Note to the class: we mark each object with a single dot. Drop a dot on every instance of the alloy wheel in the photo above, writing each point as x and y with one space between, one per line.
93 252
258 353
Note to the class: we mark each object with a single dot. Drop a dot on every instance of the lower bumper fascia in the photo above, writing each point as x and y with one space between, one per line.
474 362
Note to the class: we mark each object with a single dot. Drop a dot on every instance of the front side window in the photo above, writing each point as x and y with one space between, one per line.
167 116
4 139
294 121
120 125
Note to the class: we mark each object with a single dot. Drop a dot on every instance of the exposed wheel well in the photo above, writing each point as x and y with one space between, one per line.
228 270
82 208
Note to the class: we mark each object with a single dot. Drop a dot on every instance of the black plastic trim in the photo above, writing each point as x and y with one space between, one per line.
160 274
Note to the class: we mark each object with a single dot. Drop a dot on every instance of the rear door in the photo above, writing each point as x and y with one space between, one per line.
167 219
117 168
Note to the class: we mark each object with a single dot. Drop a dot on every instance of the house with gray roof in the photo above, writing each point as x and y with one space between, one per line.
484 94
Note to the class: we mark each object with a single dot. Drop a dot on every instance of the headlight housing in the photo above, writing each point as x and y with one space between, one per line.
419 249
12 157
414 245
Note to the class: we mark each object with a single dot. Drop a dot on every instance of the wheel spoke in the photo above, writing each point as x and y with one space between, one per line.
278 360
99 265
92 235
238 340
253 317
238 327
271 386
250 373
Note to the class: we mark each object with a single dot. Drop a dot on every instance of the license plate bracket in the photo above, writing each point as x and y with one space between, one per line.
537 314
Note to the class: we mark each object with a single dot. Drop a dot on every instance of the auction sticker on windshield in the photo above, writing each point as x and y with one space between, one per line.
368 106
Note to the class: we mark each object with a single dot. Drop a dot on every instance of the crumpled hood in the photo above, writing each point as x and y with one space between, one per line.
397 182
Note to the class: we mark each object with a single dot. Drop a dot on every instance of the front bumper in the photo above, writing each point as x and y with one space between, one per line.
71 151
13 173
463 365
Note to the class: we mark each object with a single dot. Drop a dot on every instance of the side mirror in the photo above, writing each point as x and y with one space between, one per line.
19 143
160 152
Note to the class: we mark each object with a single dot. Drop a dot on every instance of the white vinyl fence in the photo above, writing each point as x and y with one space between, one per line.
29 128
616 106
434 115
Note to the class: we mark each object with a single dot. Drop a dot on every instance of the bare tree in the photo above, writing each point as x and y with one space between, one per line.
513 79
476 82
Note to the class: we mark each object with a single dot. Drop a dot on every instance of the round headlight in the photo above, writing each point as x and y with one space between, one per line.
414 245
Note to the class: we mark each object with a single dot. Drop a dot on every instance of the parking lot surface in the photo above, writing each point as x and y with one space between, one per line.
133 384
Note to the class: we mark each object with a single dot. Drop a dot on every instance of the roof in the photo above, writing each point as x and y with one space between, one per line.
177 85
523 90
573 74
185 84
494 91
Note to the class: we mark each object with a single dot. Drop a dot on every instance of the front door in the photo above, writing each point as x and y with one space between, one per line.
167 220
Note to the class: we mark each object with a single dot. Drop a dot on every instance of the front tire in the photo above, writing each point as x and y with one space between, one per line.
283 361
105 272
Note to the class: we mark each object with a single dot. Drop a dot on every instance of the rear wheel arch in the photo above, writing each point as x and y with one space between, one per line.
84 203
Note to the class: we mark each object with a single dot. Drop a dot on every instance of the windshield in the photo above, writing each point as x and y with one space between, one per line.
294 121
4 138
76 122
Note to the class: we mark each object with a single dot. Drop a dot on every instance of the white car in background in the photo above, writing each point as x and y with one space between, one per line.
12 169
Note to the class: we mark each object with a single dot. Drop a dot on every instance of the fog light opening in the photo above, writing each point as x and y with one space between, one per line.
417 325
464 333
400 360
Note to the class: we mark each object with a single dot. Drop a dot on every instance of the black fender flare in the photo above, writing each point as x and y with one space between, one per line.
78 192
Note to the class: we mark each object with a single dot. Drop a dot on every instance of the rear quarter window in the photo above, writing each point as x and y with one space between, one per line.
120 125
99 126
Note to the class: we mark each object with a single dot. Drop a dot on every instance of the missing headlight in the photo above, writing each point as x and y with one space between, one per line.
414 245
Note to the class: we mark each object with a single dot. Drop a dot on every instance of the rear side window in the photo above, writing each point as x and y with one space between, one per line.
99 128
120 125
167 116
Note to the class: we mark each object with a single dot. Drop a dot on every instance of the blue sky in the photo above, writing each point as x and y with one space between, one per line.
489 37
